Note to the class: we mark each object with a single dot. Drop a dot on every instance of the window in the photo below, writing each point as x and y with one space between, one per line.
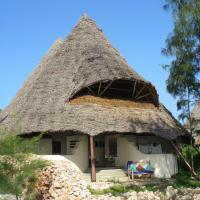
151 148
112 146
56 147
72 144
99 144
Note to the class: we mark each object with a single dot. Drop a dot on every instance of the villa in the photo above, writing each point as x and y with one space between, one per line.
93 108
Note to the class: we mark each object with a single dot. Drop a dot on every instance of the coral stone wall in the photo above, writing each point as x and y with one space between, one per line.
62 180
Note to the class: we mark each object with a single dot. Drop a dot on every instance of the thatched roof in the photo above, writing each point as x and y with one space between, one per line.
196 111
196 122
86 63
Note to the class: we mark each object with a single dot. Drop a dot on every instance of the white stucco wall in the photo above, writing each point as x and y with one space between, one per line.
45 146
165 164
80 155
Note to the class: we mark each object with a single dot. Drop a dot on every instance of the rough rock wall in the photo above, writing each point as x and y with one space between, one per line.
60 181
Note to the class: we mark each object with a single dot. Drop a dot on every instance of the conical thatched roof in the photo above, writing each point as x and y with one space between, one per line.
196 111
74 67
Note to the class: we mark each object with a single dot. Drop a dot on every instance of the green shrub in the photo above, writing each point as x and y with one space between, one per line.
186 154
18 166
114 190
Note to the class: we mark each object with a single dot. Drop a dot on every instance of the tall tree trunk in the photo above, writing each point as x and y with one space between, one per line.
191 153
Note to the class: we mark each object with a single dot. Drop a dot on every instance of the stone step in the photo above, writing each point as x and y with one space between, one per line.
108 175
105 174
116 175
111 175
107 170
110 171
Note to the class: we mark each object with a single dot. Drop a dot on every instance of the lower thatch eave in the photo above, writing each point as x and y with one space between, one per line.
93 119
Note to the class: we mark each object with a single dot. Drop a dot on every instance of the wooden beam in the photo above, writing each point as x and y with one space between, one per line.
145 95
3 118
140 91
92 158
90 90
119 89
181 155
106 88
134 87
99 89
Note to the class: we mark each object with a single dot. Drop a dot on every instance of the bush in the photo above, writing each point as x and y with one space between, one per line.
186 154
184 180
18 166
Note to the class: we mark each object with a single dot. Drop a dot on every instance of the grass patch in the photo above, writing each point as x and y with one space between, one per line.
114 190
184 180
152 187
119 189
113 180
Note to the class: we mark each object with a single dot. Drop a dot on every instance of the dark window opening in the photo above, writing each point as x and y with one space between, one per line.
99 144
112 147
56 147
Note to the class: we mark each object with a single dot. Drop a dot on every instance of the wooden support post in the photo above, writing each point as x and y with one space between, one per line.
92 158
3 119
181 155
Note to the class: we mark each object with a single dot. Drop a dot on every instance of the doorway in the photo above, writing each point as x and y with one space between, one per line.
56 147
105 151
99 150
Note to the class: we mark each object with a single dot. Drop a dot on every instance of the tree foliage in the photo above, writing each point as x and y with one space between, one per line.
183 44
18 167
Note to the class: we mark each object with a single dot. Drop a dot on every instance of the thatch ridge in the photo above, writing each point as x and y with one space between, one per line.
196 116
196 122
196 111
85 57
